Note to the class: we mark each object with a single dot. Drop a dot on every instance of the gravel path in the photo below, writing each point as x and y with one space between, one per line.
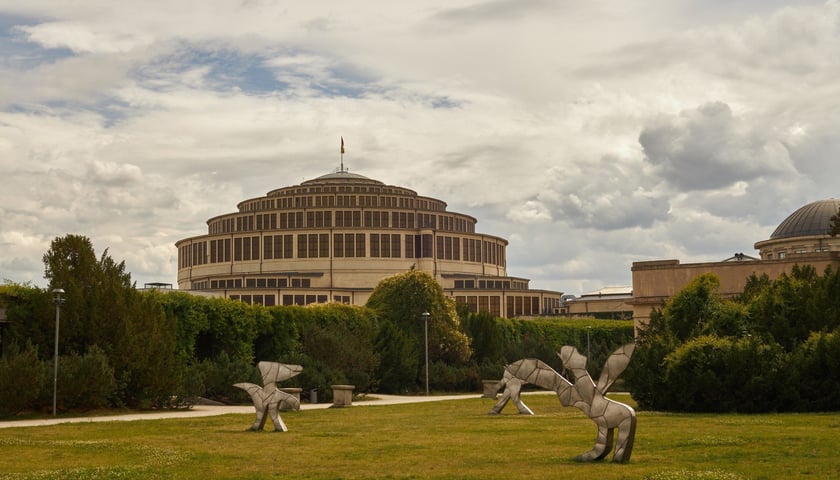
211 410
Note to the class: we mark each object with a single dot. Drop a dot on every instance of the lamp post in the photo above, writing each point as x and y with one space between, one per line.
588 328
426 316
58 301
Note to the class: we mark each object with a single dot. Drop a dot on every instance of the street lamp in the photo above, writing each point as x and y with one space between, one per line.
588 328
58 301
426 316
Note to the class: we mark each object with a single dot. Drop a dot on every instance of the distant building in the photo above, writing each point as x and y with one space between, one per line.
335 237
801 239
609 303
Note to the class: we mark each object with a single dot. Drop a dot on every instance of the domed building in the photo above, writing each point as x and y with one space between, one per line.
335 237
804 231
802 238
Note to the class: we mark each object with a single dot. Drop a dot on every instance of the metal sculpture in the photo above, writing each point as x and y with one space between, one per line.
268 398
583 394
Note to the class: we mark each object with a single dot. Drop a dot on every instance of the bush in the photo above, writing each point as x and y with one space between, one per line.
23 378
712 374
461 378
221 373
86 381
818 361
399 359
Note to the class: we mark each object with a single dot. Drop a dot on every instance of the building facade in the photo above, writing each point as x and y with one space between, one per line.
801 239
335 237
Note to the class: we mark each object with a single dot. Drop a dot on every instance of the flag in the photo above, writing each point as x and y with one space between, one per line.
342 145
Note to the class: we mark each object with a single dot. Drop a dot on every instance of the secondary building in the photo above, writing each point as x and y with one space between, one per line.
803 238
335 237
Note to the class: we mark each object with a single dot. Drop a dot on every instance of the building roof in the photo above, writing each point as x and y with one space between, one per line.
613 291
341 175
812 219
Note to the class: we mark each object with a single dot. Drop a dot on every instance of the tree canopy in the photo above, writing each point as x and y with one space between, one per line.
774 348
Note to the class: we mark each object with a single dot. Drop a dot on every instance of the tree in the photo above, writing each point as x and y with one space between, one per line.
399 359
97 294
781 312
487 341
103 309
834 227
402 299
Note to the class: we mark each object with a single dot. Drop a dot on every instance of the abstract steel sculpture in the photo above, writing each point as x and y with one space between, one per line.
268 398
584 394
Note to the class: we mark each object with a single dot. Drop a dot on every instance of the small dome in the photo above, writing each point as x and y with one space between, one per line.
812 219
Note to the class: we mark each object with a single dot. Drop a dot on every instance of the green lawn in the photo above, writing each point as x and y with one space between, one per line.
453 439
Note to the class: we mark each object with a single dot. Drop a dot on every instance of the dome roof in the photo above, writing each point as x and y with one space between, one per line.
341 176
812 219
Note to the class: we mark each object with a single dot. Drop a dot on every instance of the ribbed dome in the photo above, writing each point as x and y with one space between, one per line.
812 219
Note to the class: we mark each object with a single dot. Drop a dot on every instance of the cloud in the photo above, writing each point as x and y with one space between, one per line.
82 38
590 135
494 10
708 148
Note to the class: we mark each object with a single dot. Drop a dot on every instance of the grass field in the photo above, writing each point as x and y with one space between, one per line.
452 439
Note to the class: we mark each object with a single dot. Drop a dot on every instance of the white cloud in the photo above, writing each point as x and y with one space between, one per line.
82 38
591 135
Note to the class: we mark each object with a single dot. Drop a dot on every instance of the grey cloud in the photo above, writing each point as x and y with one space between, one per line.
608 194
229 102
708 148
494 10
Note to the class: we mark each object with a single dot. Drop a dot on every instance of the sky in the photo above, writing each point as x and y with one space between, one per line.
591 135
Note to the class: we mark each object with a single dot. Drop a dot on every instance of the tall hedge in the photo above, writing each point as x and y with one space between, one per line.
159 349
774 348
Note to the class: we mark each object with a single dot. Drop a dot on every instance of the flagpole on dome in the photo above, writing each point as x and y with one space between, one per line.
342 154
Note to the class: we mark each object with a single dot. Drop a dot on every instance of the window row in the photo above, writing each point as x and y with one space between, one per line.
482 284
340 218
386 245
781 255
482 303
344 245
270 300
303 197
515 305
261 282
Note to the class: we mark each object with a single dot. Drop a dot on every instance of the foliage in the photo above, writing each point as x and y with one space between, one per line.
147 359
86 381
454 378
399 359
818 362
154 349
219 374
710 373
773 348
788 309
403 299
834 227
400 301
97 294
339 340
23 377
487 338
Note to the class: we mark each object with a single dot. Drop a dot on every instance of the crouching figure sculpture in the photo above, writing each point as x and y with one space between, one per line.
268 398
583 394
